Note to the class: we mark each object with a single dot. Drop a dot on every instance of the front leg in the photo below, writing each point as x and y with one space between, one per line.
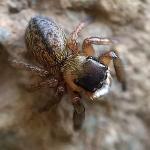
79 111
87 44
120 73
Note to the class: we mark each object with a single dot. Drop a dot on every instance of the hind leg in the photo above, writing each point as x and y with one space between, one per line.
28 67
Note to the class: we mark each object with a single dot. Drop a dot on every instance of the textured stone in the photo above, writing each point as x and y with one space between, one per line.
119 122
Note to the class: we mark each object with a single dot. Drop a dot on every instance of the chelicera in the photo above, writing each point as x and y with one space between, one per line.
79 71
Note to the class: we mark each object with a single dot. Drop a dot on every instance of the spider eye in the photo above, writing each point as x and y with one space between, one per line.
89 57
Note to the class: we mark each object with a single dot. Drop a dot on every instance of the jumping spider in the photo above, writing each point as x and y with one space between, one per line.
79 71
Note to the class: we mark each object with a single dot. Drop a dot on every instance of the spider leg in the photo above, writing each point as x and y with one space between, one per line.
27 67
120 73
87 44
79 111
55 100
73 45
48 83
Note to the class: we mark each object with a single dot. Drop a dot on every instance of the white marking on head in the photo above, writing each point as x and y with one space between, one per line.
104 89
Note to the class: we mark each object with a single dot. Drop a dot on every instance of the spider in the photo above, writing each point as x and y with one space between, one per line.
79 71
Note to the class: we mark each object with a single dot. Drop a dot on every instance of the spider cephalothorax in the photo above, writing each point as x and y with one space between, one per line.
79 71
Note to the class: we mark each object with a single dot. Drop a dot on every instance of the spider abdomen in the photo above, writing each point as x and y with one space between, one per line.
46 41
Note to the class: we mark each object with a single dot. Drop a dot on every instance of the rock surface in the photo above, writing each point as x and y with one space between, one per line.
119 122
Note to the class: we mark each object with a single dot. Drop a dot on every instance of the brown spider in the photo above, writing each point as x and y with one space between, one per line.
79 71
